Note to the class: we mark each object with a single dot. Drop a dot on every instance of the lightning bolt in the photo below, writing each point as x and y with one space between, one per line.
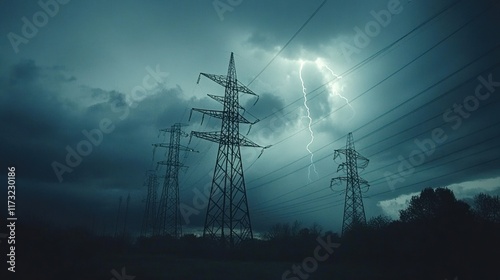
309 124
333 86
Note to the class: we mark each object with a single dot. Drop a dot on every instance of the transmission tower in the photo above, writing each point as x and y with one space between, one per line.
228 219
168 220
354 211
126 216
118 216
149 219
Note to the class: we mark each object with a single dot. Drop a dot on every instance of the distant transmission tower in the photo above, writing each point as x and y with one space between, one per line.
354 211
149 218
126 216
228 218
118 216
168 220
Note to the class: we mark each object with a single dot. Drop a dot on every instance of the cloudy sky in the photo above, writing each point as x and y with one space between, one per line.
418 89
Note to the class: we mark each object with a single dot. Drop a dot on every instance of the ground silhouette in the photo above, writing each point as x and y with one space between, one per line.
436 237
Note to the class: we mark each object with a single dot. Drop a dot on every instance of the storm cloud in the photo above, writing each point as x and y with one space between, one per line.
83 97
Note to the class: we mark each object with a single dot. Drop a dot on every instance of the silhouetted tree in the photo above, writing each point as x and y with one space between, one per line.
278 231
434 205
291 241
439 225
487 207
378 223
283 231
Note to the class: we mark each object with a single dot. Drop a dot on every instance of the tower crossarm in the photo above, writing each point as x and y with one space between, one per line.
363 182
337 180
210 136
223 81
221 100
362 163
164 162
216 137
170 130
339 152
168 146
355 154
220 115
249 143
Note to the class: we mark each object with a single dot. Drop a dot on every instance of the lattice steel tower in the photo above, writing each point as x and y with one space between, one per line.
354 211
228 219
150 212
168 220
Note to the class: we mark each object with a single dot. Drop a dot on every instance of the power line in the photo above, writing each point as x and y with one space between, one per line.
289 41
447 143
379 181
397 119
330 205
383 80
316 122
373 56
368 60
376 182
283 176
446 155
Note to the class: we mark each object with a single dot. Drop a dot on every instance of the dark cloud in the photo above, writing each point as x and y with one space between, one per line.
278 21
79 71
24 72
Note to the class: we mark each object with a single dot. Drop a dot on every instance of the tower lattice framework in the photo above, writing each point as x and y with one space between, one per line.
228 219
150 211
354 211
168 221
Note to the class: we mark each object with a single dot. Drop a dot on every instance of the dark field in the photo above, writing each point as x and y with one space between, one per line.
431 240
156 267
